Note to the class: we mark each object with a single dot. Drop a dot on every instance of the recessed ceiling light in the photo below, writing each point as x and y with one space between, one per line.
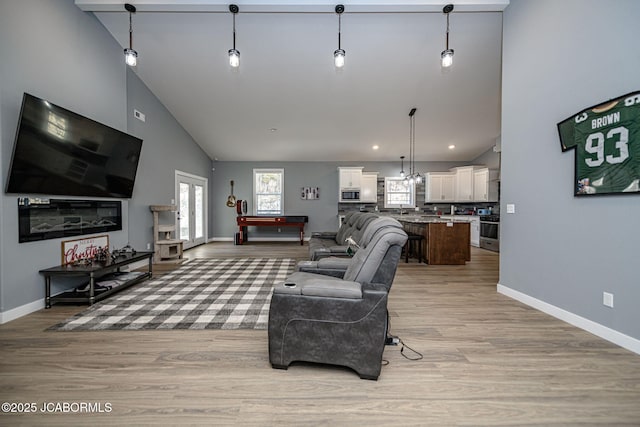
375 147
273 130
451 147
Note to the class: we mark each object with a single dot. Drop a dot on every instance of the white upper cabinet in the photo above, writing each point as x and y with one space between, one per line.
369 187
350 177
440 187
464 183
485 185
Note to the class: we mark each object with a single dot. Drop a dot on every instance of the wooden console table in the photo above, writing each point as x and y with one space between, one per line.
94 272
273 221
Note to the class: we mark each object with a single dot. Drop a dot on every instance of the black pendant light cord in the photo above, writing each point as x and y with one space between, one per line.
131 9
447 31
234 9
339 30
130 32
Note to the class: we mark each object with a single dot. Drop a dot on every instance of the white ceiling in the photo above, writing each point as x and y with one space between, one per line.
287 81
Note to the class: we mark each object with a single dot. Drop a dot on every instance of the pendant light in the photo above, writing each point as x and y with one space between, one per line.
417 176
130 55
414 176
401 166
339 54
447 55
234 54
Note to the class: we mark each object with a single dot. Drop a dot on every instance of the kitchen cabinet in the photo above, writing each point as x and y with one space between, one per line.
475 231
474 224
440 187
350 177
464 184
485 185
369 187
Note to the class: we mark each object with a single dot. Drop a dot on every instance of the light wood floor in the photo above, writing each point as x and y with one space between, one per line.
488 360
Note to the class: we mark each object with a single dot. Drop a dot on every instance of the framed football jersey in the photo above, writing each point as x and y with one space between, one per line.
606 140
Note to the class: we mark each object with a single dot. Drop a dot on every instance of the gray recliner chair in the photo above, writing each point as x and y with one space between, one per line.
326 244
338 321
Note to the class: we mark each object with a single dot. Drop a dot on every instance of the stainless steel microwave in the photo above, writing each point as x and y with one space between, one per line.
350 195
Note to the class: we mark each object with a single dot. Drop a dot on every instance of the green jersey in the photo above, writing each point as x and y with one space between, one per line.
607 143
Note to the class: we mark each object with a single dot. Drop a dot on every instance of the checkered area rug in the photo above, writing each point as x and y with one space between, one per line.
203 294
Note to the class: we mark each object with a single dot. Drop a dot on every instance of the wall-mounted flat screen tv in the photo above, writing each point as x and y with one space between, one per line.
60 152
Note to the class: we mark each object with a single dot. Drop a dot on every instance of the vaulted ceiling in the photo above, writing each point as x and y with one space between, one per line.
287 101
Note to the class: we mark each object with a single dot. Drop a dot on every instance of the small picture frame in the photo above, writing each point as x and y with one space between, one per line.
310 193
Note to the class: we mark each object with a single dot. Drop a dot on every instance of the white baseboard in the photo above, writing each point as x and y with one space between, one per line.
220 239
260 239
23 310
597 329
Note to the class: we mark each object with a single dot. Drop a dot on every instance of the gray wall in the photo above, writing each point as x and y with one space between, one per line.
52 49
489 158
556 248
55 51
167 147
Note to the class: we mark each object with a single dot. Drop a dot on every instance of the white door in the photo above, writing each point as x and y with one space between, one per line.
191 223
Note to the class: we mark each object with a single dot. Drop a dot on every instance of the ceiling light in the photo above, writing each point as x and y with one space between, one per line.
401 166
375 147
447 55
413 176
130 55
451 147
234 54
339 54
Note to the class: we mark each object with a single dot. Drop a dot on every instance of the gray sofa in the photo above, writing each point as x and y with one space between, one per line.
337 265
326 244
338 321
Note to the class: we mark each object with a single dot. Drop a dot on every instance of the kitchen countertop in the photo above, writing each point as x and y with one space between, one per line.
425 219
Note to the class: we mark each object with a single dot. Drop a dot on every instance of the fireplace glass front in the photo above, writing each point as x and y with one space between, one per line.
42 219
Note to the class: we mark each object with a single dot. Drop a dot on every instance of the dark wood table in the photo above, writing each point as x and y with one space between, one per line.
270 221
93 272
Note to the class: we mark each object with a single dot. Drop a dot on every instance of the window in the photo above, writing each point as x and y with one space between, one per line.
397 194
268 191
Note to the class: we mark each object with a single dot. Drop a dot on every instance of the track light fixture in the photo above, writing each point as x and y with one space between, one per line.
234 54
130 55
447 55
339 54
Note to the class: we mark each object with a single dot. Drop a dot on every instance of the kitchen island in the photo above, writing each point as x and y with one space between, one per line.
445 242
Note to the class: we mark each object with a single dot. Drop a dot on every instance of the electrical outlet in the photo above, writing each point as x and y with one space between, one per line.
148 246
607 299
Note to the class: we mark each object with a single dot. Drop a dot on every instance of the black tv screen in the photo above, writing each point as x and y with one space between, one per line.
60 152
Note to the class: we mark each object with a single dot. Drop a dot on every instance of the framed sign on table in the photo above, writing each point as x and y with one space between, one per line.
85 248
606 139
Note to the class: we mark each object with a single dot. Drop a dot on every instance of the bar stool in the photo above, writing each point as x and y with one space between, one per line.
413 245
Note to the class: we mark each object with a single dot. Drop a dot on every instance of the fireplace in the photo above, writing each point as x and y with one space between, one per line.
42 219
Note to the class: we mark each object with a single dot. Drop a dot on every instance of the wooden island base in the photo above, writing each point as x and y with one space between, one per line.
444 243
